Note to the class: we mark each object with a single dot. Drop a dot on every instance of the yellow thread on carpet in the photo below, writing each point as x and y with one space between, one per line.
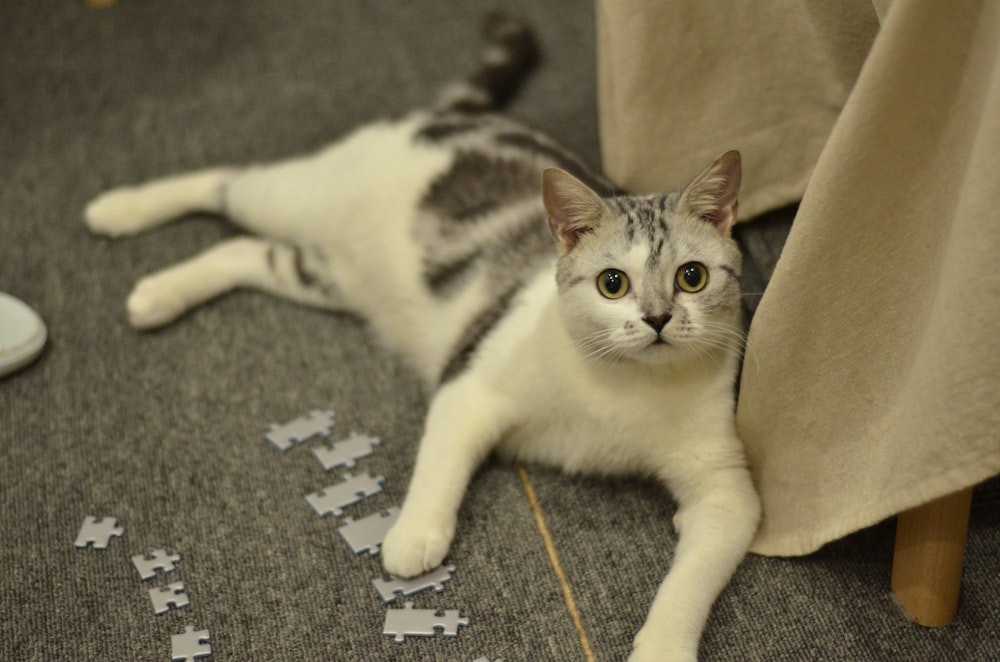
554 559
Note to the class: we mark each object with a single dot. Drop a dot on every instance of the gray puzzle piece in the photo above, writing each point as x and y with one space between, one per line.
392 588
485 659
315 424
410 622
367 533
346 453
352 489
190 645
98 532
159 560
171 596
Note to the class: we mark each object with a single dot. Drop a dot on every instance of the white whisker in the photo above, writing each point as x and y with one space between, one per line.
595 346
729 339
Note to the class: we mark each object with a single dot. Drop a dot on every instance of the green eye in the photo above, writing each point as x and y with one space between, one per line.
692 277
613 284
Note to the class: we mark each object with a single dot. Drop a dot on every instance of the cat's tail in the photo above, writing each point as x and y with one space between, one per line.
511 54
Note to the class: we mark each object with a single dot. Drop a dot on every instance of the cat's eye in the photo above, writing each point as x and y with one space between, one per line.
692 277
612 283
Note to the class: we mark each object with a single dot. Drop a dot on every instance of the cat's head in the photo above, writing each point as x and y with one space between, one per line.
653 279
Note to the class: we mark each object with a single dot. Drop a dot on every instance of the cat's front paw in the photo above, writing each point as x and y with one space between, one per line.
115 213
413 548
650 655
652 646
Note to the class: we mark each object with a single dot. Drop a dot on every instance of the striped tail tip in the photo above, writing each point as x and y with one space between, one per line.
511 53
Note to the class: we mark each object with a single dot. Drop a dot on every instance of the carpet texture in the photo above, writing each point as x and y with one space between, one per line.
165 430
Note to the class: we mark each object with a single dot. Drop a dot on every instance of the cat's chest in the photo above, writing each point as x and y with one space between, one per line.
608 427
579 443
564 412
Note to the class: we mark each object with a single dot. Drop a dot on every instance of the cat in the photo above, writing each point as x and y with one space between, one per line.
553 318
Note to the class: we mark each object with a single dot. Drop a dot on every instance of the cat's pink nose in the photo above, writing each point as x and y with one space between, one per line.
657 322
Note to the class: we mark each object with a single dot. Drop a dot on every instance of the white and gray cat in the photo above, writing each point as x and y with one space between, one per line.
570 325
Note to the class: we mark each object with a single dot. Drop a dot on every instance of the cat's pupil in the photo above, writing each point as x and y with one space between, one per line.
692 276
613 282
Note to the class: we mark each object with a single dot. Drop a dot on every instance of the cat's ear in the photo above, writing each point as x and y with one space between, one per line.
573 208
712 195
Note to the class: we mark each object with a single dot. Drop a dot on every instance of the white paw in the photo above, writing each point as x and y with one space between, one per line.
413 548
115 213
651 646
154 302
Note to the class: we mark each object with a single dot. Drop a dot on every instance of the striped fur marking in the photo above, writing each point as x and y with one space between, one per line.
510 55
477 184
478 329
556 155
444 127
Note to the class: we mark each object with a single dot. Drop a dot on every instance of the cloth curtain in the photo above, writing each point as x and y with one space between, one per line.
871 380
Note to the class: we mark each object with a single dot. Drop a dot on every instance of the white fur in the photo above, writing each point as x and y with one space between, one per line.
534 397
530 392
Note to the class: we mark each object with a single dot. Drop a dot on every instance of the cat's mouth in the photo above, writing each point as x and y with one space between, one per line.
659 341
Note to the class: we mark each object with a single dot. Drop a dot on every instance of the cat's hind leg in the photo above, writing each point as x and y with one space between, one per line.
271 266
130 210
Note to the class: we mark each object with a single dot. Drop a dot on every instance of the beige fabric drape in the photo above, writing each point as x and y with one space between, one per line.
681 82
871 382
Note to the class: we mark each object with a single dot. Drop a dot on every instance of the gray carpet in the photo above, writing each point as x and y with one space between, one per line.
164 430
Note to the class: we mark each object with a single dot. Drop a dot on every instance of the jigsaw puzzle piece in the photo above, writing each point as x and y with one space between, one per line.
190 645
367 533
351 490
410 622
392 588
315 424
346 453
485 659
98 532
159 560
171 596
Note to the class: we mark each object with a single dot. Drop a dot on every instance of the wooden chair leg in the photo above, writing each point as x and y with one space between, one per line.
927 563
